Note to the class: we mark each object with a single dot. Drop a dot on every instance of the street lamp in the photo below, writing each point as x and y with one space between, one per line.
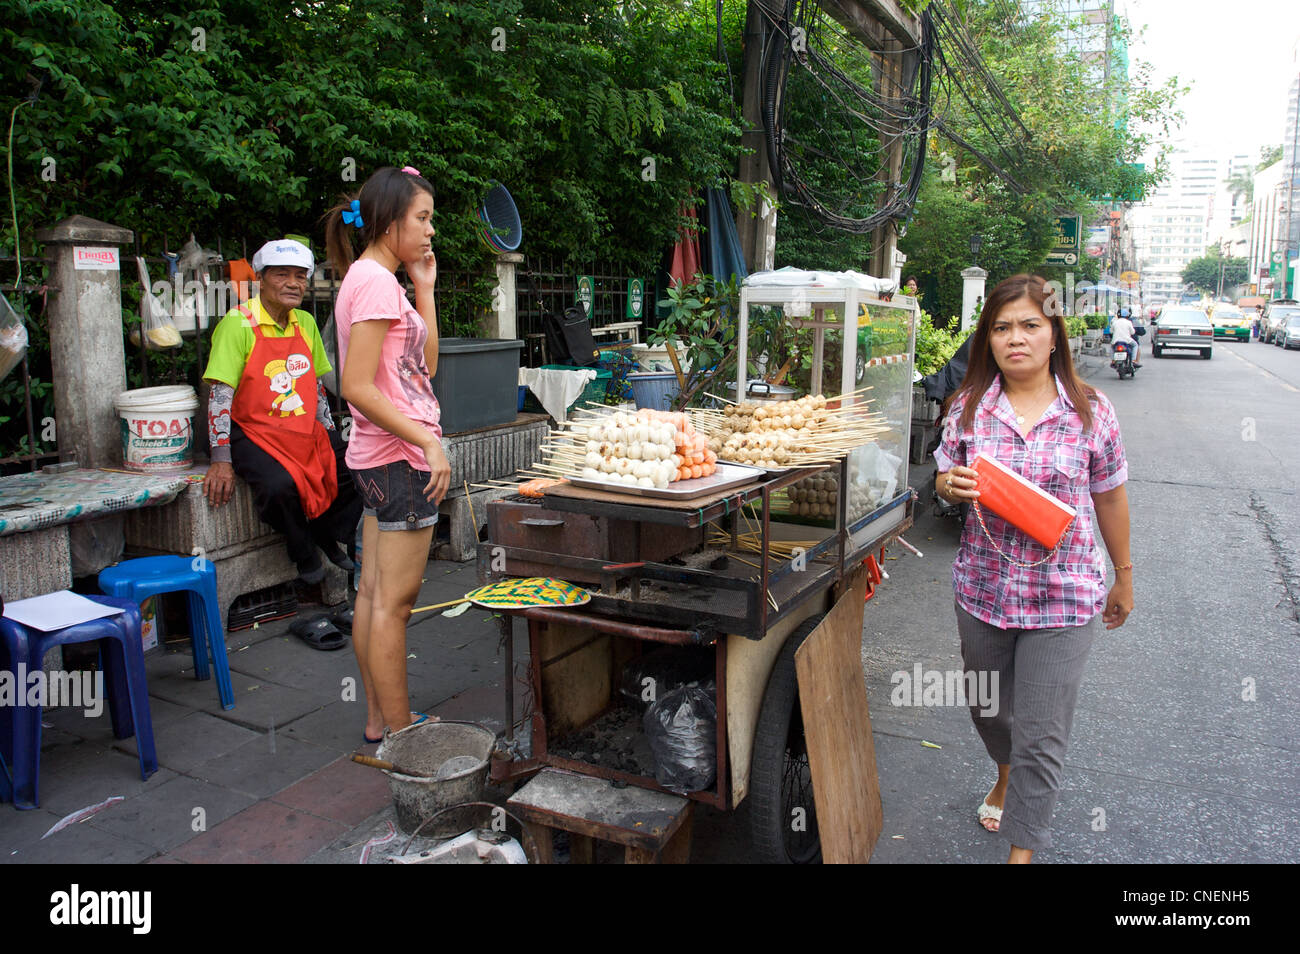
976 240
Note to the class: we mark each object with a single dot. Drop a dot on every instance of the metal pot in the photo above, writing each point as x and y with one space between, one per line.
760 392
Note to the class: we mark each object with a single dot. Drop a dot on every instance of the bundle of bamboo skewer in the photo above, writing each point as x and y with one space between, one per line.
752 542
801 433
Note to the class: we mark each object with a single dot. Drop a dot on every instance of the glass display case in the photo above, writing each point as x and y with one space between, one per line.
796 322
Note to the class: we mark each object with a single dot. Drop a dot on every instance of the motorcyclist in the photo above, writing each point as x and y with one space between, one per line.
1121 329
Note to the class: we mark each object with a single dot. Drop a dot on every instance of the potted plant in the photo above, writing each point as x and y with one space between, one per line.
1075 326
700 314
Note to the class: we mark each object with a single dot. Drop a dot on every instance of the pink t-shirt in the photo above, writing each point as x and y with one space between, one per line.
371 292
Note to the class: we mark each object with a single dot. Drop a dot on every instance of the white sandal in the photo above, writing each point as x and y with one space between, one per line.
988 811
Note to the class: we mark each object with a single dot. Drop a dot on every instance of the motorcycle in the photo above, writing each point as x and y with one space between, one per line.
1121 359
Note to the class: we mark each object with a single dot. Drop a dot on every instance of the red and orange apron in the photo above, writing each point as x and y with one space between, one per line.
275 405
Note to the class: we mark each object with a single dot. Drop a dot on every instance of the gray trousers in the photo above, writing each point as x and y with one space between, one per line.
1039 671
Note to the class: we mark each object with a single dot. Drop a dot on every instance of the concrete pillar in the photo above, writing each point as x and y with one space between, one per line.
972 290
503 319
896 274
85 313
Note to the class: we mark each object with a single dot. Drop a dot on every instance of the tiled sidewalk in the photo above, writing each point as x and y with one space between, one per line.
270 780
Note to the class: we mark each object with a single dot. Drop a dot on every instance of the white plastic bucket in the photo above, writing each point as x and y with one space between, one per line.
157 428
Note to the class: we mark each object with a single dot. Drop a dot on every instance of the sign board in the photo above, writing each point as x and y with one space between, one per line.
635 298
1065 247
1129 278
1277 272
586 293
97 258
1098 241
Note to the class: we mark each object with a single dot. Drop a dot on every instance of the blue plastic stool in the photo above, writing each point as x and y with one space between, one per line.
150 576
122 661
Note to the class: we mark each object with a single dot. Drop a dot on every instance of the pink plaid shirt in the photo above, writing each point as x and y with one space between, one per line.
1070 588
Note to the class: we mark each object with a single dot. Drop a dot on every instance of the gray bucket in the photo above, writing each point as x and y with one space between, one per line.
457 753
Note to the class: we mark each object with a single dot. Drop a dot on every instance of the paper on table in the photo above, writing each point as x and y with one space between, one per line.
57 611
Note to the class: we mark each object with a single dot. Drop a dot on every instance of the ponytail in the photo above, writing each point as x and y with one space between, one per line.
383 200
339 250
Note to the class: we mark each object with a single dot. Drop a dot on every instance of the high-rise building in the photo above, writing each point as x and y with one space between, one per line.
1268 227
1088 27
1175 222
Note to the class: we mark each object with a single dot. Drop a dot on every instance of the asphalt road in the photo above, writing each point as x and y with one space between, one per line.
1168 763
1187 732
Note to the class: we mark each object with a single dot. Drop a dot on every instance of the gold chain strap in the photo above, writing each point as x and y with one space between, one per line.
1024 566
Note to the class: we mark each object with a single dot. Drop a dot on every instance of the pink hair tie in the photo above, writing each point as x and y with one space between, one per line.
411 170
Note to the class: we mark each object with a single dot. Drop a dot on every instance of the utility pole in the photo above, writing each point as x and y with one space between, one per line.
757 232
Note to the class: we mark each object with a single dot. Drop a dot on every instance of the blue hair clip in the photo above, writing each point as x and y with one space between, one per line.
352 215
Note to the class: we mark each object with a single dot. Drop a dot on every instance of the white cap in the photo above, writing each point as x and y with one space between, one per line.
284 252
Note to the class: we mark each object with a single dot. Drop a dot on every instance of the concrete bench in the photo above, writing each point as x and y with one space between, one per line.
248 554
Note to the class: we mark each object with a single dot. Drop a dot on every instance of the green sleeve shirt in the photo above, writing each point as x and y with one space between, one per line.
233 338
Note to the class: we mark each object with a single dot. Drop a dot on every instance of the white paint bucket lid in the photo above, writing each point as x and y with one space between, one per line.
156 400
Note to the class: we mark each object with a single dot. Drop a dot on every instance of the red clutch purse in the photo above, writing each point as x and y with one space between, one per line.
1025 506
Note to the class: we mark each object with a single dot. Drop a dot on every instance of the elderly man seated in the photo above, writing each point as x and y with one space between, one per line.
269 421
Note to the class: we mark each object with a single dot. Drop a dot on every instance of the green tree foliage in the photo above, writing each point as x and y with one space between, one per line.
936 345
1268 155
1241 184
1203 273
240 121
243 120
1083 135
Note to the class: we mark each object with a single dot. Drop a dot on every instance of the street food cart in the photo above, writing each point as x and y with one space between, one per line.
741 575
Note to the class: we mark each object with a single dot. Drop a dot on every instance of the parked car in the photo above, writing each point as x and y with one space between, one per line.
1230 322
1275 316
1183 327
1290 336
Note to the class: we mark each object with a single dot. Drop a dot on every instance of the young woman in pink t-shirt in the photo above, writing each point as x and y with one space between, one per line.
388 350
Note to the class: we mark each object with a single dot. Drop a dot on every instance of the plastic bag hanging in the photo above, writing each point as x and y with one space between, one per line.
13 337
159 329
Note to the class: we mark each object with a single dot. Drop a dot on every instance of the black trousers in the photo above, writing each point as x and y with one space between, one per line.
275 496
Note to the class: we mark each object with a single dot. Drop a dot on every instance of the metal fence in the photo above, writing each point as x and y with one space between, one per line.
26 399
548 286
543 286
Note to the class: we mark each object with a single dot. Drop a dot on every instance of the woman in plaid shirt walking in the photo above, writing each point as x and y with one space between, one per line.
1026 614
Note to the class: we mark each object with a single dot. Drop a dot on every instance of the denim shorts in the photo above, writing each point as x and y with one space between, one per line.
394 495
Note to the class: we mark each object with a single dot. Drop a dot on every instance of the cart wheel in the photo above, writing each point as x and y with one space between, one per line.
783 816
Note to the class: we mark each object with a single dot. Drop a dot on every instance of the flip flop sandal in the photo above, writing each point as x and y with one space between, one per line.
423 717
319 633
342 619
988 811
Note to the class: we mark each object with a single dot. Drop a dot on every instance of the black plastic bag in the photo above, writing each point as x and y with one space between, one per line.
659 672
682 727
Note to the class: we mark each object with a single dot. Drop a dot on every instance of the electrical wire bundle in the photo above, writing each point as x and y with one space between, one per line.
961 70
836 164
